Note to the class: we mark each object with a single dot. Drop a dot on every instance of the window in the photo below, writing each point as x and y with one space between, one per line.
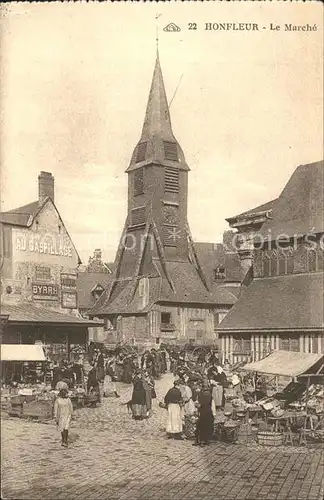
171 180
241 345
289 343
218 318
42 273
139 182
68 281
141 152
138 216
157 340
166 318
311 261
219 273
170 151
97 290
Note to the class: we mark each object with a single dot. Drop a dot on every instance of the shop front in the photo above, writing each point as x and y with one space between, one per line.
62 338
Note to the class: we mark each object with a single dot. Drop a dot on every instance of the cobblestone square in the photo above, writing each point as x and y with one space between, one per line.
112 457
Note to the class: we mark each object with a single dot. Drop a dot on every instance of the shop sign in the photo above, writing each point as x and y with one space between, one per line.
68 280
46 290
69 300
43 244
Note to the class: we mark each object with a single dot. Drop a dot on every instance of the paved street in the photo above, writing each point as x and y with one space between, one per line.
113 457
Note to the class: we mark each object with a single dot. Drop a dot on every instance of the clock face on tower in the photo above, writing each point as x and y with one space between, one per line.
170 214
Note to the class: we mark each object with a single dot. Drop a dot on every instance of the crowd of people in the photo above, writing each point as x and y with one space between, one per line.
191 404
197 395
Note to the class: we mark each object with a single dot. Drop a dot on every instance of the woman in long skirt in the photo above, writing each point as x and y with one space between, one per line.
109 388
138 402
205 424
62 414
173 401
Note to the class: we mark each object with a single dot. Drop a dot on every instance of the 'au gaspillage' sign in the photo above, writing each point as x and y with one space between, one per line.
46 244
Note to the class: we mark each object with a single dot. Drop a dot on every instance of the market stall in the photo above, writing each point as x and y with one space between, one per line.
298 407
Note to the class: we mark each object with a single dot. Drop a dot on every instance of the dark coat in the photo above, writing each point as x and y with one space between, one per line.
138 396
205 424
173 396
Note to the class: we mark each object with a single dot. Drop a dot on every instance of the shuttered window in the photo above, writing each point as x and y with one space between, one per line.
141 152
171 180
170 151
138 216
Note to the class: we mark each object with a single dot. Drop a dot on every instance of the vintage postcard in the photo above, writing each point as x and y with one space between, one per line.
162 250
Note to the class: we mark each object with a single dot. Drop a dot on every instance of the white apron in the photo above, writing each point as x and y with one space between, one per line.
174 423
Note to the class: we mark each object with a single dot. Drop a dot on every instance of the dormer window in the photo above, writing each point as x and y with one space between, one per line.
141 152
97 291
219 273
170 151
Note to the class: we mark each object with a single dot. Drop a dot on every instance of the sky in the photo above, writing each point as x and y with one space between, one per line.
75 82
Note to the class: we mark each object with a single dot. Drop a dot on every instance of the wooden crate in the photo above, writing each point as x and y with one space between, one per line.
38 409
267 438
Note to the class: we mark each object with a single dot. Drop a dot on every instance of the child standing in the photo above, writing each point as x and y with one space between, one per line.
62 414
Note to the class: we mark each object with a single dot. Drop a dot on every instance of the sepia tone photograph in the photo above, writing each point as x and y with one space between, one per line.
162 250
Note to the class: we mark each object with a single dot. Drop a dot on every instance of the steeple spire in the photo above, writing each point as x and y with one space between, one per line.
157 134
157 117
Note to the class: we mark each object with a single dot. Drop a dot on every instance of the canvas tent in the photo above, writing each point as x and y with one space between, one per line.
288 364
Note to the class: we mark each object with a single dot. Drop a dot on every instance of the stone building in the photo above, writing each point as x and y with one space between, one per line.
282 309
39 264
159 290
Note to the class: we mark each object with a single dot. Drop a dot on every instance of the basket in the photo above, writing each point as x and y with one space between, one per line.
267 438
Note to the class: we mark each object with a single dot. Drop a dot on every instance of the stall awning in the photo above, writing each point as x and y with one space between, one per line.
31 314
285 363
22 352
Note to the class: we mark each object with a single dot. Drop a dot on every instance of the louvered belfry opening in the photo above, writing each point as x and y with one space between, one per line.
138 216
141 152
170 151
139 181
171 180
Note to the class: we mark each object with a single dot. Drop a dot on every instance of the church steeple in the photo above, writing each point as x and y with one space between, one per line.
157 120
157 144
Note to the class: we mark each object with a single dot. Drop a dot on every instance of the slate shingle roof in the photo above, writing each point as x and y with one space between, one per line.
20 216
29 313
265 207
85 283
282 302
300 207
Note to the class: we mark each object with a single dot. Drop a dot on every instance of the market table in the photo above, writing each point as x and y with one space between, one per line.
283 423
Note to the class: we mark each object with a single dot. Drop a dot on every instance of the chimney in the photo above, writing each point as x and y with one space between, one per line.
45 186
97 254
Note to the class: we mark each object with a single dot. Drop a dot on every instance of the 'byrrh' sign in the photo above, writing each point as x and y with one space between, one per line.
45 290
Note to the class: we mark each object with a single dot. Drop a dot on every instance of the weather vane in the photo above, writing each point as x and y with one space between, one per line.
157 30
